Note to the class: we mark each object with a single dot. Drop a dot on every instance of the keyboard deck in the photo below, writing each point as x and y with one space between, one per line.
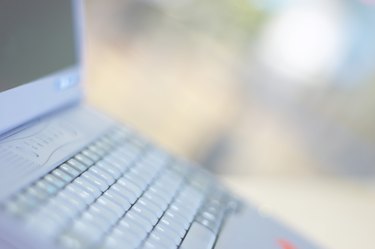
122 192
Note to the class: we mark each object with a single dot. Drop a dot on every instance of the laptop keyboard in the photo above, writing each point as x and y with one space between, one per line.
122 192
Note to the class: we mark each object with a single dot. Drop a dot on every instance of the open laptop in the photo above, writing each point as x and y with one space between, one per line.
71 177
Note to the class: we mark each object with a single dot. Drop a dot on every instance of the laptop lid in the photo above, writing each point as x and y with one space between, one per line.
40 59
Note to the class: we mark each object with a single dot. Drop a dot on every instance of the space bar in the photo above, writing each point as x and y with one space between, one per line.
198 237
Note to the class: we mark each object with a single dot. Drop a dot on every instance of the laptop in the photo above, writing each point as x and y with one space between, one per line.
71 177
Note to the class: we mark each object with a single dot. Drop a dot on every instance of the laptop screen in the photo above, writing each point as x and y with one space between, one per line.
40 59
36 39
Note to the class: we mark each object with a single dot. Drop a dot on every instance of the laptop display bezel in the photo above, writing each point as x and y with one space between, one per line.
51 92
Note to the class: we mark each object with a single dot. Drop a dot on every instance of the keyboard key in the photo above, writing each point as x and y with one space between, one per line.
138 180
105 145
103 174
181 209
157 240
70 170
111 206
154 189
146 174
47 186
129 184
71 197
95 220
212 213
62 175
97 181
198 237
122 167
84 159
109 140
37 192
170 232
128 194
125 226
159 237
107 217
55 181
91 155
134 216
87 185
145 212
146 203
177 217
173 225
77 165
118 198
126 241
156 199
150 244
59 210
114 171
130 150
98 149
163 188
124 156
83 193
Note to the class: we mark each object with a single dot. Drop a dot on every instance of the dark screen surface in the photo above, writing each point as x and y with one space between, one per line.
36 39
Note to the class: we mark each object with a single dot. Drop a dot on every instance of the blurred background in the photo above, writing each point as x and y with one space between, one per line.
275 96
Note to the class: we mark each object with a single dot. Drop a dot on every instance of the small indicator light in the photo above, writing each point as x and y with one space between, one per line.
285 244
